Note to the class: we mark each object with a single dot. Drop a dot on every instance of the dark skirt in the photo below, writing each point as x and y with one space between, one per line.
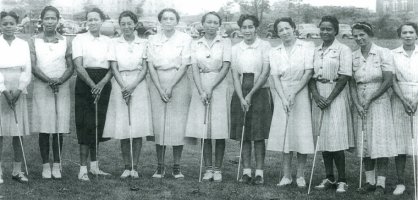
258 118
85 120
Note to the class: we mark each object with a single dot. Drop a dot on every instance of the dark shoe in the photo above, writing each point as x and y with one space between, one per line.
326 184
177 173
258 180
20 177
245 179
379 191
366 188
159 173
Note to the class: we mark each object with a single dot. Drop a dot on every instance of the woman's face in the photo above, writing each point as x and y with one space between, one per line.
127 25
361 37
211 24
94 22
327 31
8 25
285 31
248 29
50 21
408 35
168 21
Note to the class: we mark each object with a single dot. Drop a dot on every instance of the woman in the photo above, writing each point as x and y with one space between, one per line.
332 120
404 102
211 60
129 113
372 77
92 90
15 66
250 71
52 67
168 59
291 69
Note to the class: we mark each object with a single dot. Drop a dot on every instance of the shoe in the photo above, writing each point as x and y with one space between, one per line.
217 176
83 176
342 187
125 174
98 172
208 175
245 179
134 174
379 190
56 172
177 173
366 188
46 173
301 182
20 177
258 180
325 184
159 173
285 182
399 189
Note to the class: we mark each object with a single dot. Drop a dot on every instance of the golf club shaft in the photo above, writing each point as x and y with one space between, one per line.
20 140
316 150
56 127
242 141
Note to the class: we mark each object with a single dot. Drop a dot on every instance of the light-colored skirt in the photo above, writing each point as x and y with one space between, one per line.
337 126
169 119
402 121
218 122
379 139
117 118
44 117
7 117
299 136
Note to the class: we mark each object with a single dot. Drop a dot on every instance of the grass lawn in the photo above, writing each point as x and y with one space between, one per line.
189 188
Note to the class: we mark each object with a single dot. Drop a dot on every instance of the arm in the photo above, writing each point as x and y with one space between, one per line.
279 89
156 80
70 67
82 73
387 83
354 96
221 76
37 72
409 109
97 89
236 78
198 82
129 89
341 82
115 70
25 76
259 83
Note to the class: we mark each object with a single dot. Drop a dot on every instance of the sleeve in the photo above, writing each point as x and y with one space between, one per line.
346 62
186 51
2 86
265 52
234 59
26 75
150 49
274 68
144 53
69 50
111 53
227 50
309 55
387 60
77 47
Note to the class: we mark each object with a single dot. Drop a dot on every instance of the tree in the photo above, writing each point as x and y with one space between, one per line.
226 11
254 7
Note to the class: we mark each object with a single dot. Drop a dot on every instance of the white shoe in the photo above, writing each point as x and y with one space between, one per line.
325 184
301 182
284 182
99 172
125 174
159 173
56 171
399 189
217 176
134 174
208 175
83 176
46 173
342 187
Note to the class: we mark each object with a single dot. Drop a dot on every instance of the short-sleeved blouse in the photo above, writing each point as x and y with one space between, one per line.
331 62
210 57
94 50
129 55
406 67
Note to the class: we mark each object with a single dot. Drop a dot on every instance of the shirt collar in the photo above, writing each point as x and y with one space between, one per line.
401 50
202 40
90 36
335 45
254 45
298 43
55 39
121 39
373 49
162 38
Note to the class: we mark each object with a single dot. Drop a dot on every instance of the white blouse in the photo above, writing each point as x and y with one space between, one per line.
16 55
406 67
129 55
93 50
210 57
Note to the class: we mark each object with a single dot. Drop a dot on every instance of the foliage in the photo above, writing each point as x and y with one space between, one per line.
254 7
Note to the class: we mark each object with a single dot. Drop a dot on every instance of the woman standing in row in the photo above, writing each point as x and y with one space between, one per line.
211 61
129 95
251 99
92 90
332 120
169 59
291 69
372 77
52 67
404 102
15 66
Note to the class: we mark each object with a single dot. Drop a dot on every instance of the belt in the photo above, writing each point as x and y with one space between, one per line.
322 80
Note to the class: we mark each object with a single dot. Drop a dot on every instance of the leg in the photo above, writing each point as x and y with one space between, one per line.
177 151
246 155
301 165
381 171
160 154
260 153
93 152
55 147
369 166
84 154
339 159
329 165
287 162
126 153
400 161
17 149
18 157
219 153
44 147
207 154
136 148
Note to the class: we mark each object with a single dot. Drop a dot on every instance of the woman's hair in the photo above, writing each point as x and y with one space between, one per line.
366 27
283 19
50 8
414 26
97 10
244 17
160 14
4 14
129 14
212 13
333 21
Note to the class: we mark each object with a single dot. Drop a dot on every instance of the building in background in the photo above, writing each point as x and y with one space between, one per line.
396 6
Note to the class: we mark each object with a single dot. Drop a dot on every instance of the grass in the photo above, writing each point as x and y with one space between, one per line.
189 188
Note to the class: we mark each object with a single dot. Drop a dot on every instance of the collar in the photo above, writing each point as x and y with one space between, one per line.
401 50
334 46
90 36
298 43
163 38
55 39
121 39
373 49
254 45
202 40
358 54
